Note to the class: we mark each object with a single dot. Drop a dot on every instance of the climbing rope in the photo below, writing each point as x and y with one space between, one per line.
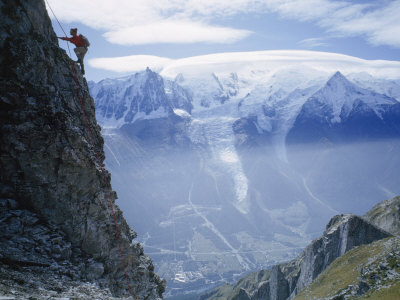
103 171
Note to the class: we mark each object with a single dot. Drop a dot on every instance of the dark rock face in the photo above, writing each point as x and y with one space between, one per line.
343 233
28 240
36 258
49 167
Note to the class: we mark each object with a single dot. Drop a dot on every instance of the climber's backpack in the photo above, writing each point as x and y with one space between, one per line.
85 41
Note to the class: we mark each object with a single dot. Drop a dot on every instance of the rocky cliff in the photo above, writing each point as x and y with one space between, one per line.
284 281
386 215
55 194
370 271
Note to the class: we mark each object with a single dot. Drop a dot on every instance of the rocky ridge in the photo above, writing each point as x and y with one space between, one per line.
369 271
284 281
55 216
386 215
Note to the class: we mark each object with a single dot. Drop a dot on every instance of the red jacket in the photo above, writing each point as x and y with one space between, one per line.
76 40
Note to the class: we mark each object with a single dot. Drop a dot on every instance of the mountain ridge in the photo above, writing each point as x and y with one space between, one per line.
339 103
286 280
353 100
229 159
144 95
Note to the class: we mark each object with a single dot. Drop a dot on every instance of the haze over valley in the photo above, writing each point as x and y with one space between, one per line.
228 164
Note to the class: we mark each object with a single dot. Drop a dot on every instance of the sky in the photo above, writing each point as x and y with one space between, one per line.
126 36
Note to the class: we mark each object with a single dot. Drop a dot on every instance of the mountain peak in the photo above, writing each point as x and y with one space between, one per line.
338 75
144 95
338 79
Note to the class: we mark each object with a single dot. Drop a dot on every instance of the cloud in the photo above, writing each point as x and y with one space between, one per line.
135 22
313 43
192 21
304 10
171 31
380 26
377 22
131 63
104 14
242 61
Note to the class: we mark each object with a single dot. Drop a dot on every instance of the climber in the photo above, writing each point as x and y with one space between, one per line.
81 43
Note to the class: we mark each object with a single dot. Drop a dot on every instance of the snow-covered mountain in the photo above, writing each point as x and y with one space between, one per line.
234 162
342 110
141 96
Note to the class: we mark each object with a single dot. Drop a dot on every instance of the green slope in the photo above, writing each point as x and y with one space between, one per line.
367 272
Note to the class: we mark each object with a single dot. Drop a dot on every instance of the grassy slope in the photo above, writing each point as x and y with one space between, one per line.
391 293
344 272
